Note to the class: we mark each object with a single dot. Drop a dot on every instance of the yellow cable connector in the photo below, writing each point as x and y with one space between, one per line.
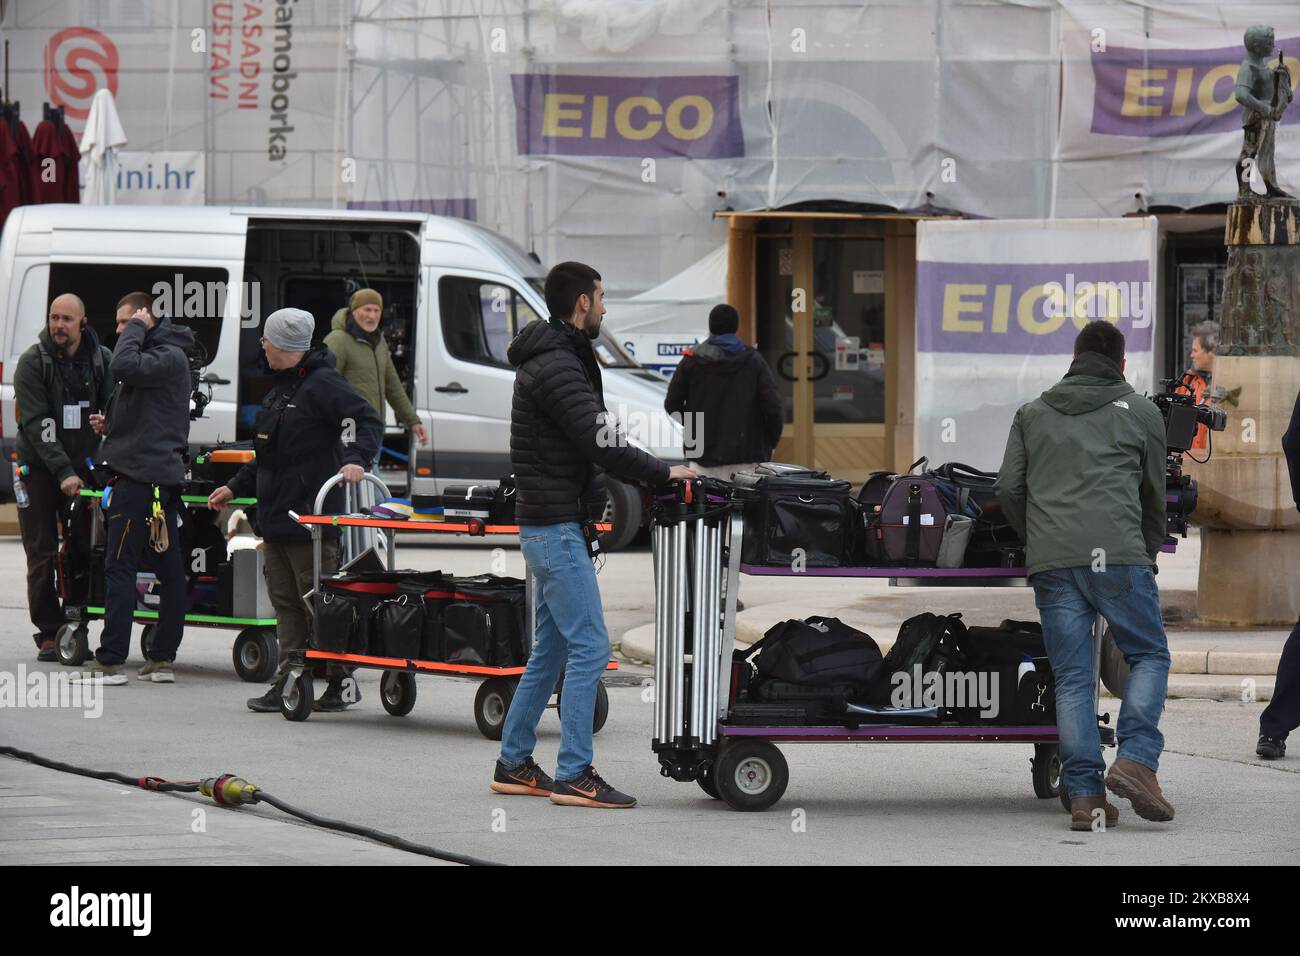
229 790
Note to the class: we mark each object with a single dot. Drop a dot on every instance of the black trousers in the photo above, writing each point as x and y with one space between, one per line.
126 538
39 524
1282 715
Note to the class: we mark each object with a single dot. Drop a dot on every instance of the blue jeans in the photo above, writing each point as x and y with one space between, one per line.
570 639
1126 596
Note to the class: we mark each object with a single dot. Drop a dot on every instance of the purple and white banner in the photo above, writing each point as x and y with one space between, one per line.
994 333
694 117
1175 92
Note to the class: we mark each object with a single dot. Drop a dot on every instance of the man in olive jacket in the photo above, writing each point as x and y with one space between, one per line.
1083 482
60 382
361 356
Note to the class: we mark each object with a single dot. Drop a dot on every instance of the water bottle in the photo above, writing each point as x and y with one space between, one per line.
20 487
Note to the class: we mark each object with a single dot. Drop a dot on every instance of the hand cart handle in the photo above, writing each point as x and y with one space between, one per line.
335 479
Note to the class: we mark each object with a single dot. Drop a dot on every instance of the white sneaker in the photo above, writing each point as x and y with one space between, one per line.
96 673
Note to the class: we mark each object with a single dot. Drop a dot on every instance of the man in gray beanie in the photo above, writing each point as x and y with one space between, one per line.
313 425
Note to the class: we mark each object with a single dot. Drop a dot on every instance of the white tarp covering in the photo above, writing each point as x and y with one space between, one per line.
606 130
998 307
657 325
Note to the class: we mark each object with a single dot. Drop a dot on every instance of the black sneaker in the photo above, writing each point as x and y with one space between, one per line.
589 790
1270 748
527 780
333 700
48 650
268 703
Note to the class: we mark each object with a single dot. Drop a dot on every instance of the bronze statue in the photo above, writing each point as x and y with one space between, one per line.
1264 93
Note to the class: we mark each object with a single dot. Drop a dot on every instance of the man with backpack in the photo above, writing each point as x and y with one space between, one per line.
1083 483
60 382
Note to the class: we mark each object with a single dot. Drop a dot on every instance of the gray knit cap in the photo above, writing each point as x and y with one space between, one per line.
290 329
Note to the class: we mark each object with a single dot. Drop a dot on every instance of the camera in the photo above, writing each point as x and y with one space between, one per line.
1182 415
200 391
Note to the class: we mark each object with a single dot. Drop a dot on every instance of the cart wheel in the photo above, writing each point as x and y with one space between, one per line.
706 781
602 708
751 775
297 698
397 692
601 712
256 654
146 640
72 645
1047 771
491 704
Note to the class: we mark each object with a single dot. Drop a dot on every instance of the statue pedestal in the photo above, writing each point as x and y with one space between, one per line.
1248 517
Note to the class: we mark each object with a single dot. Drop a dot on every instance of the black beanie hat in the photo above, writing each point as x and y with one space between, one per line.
723 319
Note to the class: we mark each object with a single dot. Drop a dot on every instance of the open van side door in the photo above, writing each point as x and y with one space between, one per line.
472 316
195 273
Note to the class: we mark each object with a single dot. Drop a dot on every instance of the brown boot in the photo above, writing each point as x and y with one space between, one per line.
1137 784
1082 813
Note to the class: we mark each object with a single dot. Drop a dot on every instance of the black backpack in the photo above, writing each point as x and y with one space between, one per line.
817 652
920 637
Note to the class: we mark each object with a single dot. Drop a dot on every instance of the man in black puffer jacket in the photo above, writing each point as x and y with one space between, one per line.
313 425
559 443
724 394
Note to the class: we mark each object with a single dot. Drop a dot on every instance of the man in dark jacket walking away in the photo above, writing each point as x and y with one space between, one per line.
725 396
147 427
559 444
313 425
1083 483
60 382
1282 715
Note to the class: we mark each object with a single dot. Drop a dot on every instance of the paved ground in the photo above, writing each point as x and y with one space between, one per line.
425 776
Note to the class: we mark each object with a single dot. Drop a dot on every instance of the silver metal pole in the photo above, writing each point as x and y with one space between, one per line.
657 543
677 659
712 550
699 652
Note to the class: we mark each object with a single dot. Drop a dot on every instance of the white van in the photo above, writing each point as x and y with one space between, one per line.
454 296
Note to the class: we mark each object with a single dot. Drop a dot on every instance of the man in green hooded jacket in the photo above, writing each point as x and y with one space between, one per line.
1083 482
361 356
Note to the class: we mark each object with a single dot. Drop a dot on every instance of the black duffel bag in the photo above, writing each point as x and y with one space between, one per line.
1022 695
816 652
805 516
486 622
345 605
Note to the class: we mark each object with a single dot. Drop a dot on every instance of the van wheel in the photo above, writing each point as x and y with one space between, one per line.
623 509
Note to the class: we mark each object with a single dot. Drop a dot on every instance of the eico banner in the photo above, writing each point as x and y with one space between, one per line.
1173 92
694 117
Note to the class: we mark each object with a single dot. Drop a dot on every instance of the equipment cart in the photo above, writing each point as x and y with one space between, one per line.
255 652
697 548
397 685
